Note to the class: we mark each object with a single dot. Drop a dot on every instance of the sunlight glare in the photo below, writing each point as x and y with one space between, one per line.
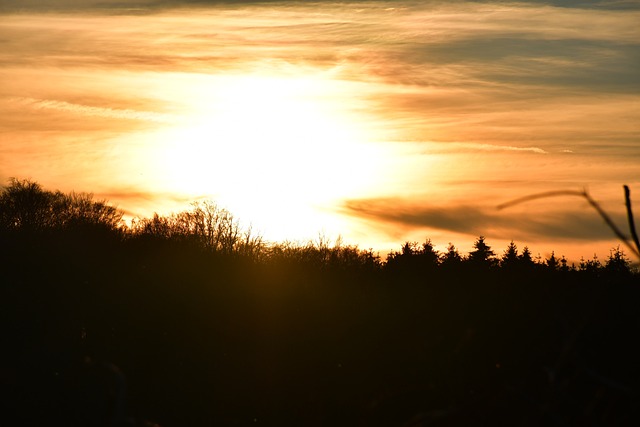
257 143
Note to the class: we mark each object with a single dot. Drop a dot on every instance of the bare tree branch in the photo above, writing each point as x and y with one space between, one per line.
632 225
584 194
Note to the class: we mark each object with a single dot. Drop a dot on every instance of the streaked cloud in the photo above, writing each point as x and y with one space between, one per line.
87 110
573 221
490 147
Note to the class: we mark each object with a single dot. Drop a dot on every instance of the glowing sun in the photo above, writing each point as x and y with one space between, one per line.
266 144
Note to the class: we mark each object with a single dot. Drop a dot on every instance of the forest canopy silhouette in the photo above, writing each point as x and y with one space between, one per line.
210 324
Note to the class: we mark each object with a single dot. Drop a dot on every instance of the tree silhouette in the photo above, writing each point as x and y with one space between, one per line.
25 206
452 258
482 256
552 262
525 259
205 226
405 260
592 266
81 210
618 264
415 258
510 256
428 255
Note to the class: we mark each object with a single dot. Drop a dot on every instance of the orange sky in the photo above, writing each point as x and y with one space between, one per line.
377 121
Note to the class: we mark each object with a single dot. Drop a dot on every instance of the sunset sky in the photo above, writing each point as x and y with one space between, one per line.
379 121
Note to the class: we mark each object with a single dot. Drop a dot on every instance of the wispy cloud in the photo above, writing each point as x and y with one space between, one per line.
491 147
570 222
86 110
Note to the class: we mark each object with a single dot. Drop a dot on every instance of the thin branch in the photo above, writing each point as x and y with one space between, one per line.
611 225
541 196
607 219
632 225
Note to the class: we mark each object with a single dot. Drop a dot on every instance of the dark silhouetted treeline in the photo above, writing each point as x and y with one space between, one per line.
192 320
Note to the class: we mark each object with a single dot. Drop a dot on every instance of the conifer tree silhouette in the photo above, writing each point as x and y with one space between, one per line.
483 256
452 258
510 256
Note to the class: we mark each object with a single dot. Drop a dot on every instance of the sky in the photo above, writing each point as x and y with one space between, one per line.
379 122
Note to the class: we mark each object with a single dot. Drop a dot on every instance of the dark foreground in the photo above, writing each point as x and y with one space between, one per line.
105 327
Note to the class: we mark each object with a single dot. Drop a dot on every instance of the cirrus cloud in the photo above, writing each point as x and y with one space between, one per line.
86 110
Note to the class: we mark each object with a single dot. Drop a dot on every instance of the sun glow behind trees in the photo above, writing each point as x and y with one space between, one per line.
276 150
378 123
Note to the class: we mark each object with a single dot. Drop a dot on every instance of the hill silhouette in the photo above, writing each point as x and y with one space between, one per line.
189 319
